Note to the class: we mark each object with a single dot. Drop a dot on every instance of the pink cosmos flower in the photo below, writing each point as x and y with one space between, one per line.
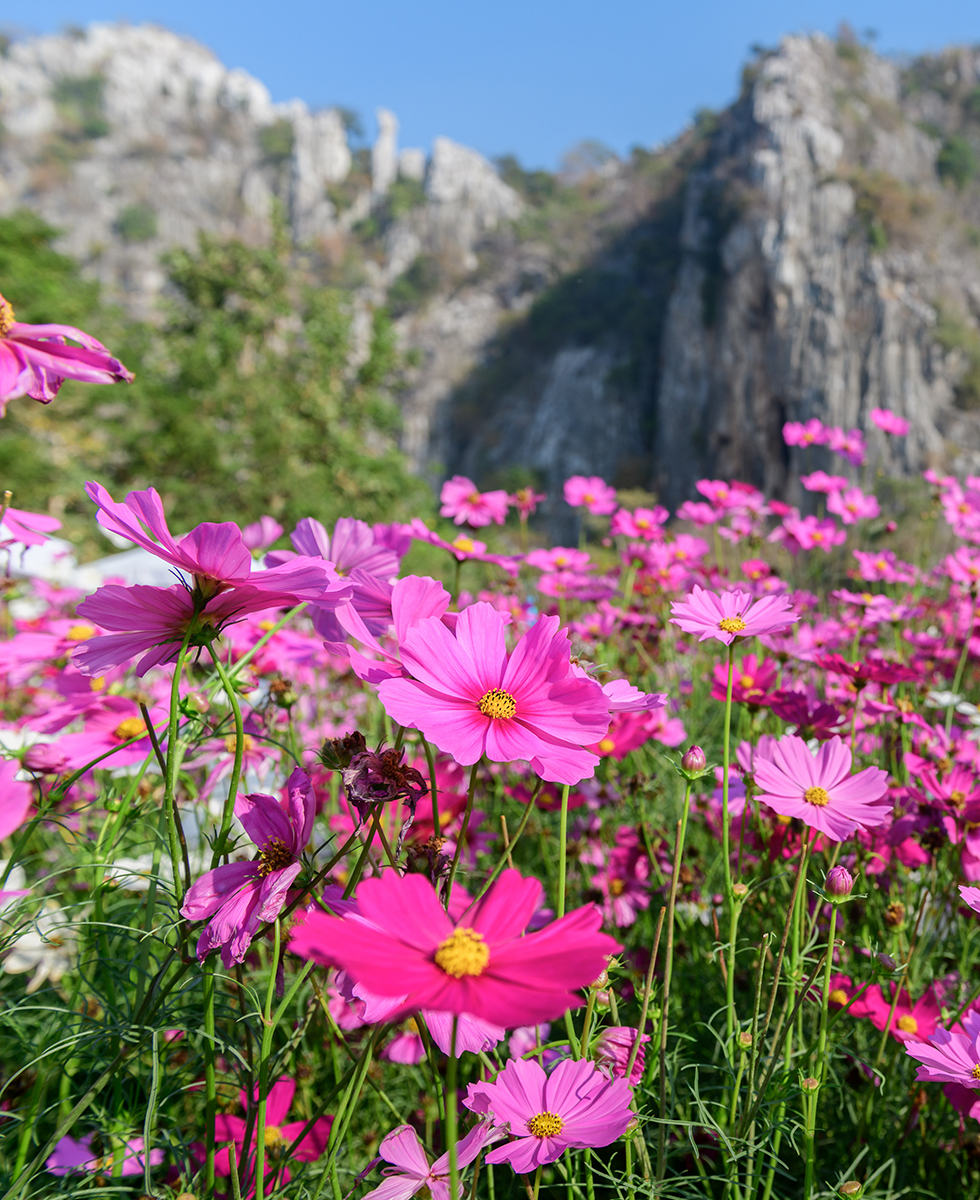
700 513
911 1021
235 899
754 678
852 505
963 566
819 788
644 523
404 944
970 896
613 1048
114 721
590 492
811 533
889 422
559 558
278 1136
353 546
470 697
950 1056
820 481
883 567
15 797
848 443
464 502
463 547
623 880
27 528
729 615
35 360
813 433
412 1172
526 501
261 534
76 1154
575 1106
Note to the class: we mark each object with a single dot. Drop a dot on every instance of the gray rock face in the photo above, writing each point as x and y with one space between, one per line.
384 152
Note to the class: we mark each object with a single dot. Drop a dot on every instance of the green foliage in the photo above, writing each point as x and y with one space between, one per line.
403 196
957 161
971 105
535 187
80 105
137 223
413 287
887 208
953 333
245 401
276 142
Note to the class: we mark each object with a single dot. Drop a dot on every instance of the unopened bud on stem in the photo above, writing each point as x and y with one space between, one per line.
694 759
839 884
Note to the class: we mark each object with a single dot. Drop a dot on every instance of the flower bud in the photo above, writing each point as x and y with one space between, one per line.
739 890
745 1039
851 1187
694 759
197 701
895 915
45 759
809 1084
839 884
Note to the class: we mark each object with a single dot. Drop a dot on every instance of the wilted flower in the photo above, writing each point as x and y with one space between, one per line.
375 777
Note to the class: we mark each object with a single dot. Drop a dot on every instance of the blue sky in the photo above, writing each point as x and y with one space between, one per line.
525 76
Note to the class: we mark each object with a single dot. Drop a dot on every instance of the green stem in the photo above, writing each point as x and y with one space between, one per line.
960 668
210 1079
562 851
430 758
664 1006
228 812
268 1027
822 1041
170 776
726 854
451 1114
355 875
461 836
512 842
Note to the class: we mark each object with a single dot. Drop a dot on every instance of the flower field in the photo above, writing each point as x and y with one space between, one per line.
643 867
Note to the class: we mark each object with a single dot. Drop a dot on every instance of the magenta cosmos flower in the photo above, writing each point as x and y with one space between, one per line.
279 1135
404 944
470 697
591 492
72 1155
820 789
577 1105
35 360
852 505
464 502
235 899
412 1172
728 615
15 797
950 1055
889 422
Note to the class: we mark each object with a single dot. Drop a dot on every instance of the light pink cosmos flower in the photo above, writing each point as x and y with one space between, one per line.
412 1172
353 546
852 505
403 944
465 503
819 788
813 433
577 1105
699 513
889 422
463 547
27 528
970 896
950 1056
882 566
470 697
526 501
261 534
646 523
591 492
613 1048
236 898
848 443
729 615
15 797
820 481
35 360
559 558
812 533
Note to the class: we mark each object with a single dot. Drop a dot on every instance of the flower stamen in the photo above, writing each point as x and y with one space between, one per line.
731 624
464 952
7 318
498 704
818 796
275 856
129 728
545 1124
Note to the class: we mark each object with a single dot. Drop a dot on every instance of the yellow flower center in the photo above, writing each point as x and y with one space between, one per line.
274 1140
546 1124
275 856
7 317
731 624
248 743
465 544
266 625
80 633
464 952
838 996
130 728
97 684
817 796
908 1024
474 498
616 887
498 704
747 681
976 1072
589 498
781 820
607 745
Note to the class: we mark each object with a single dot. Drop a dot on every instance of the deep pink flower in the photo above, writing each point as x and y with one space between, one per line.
813 433
114 721
279 1136
753 679
883 566
852 505
412 1172
889 422
699 513
235 899
590 492
950 1056
729 615
559 558
848 443
812 533
470 697
15 797
261 533
910 1021
577 1105
820 481
406 945
35 360
464 502
613 1048
812 717
463 547
819 788
644 523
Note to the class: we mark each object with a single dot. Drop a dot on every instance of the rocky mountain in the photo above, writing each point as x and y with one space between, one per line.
813 250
